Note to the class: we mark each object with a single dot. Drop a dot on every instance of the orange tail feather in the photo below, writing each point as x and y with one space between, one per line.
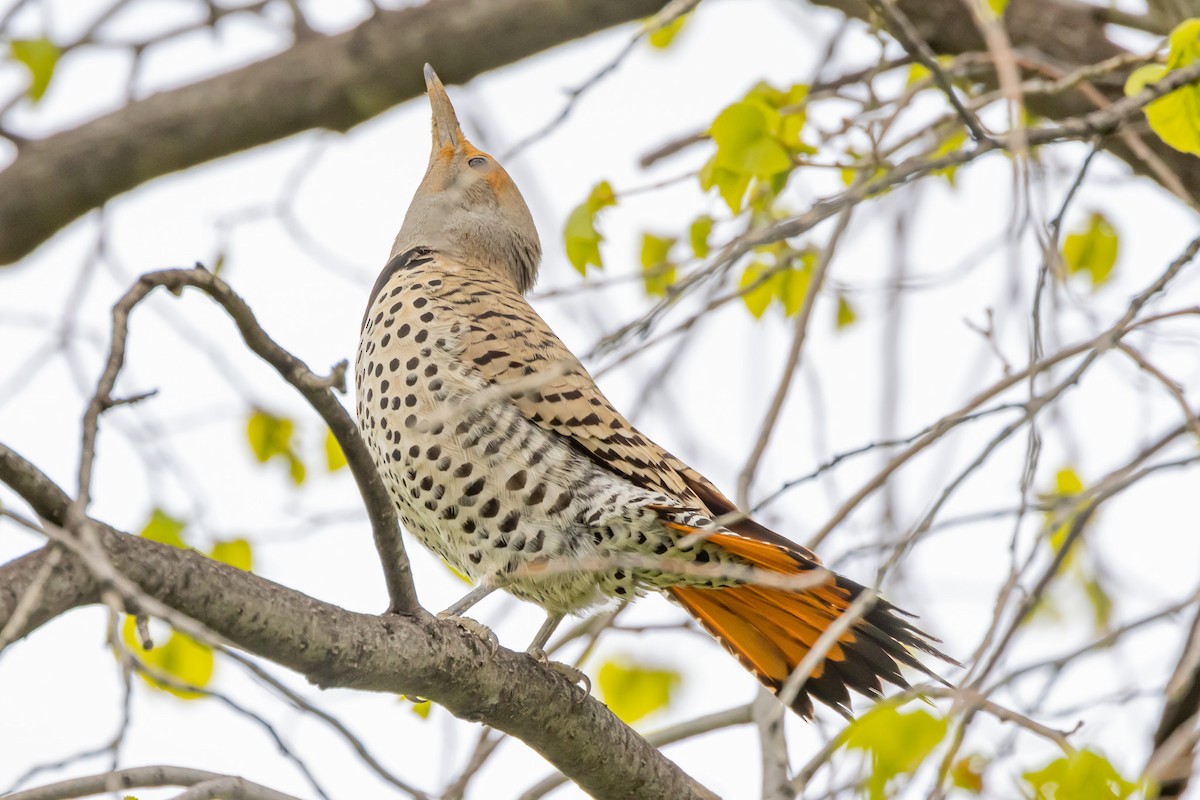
770 630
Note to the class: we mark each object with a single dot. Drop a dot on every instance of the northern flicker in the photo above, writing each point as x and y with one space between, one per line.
506 460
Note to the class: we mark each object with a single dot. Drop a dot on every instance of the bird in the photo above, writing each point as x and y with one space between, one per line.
505 459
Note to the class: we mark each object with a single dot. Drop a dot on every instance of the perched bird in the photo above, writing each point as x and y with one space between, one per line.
505 459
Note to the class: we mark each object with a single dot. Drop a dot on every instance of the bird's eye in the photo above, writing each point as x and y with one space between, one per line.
477 162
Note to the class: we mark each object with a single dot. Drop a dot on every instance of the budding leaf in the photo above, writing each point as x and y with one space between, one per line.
846 315
746 143
40 57
658 271
698 233
1092 250
758 298
181 657
633 691
164 529
335 459
271 437
580 236
1084 773
234 552
661 38
1175 117
896 742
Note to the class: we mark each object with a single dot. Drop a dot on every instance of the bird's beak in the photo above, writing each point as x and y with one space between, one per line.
445 122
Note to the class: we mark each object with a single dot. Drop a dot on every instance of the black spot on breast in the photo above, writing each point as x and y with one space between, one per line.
516 481
474 487
562 502
509 523
537 495
490 509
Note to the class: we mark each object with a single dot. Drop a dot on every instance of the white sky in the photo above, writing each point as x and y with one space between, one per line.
59 689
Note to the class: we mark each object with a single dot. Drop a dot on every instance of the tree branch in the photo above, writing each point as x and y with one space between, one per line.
332 82
1064 33
146 777
316 390
415 655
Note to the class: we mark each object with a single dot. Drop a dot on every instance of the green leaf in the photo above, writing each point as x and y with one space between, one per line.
729 184
1092 250
335 459
296 469
1067 484
917 73
1083 774
234 552
1101 602
758 298
164 529
580 236
746 143
698 233
420 707
40 56
658 271
1175 117
896 742
792 286
270 437
662 37
951 144
997 7
181 657
633 691
846 315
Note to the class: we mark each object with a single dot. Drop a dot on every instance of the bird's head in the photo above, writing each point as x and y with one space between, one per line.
467 206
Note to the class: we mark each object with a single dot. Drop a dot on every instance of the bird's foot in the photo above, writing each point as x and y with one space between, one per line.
475 628
580 682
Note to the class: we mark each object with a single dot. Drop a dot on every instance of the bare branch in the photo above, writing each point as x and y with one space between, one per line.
147 777
315 389
331 82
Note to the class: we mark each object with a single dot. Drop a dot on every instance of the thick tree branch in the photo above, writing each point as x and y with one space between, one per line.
1061 35
1178 723
332 82
415 655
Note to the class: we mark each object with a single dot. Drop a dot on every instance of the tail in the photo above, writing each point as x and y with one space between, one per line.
770 630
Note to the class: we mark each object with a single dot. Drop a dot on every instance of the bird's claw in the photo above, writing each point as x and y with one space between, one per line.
475 628
581 684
